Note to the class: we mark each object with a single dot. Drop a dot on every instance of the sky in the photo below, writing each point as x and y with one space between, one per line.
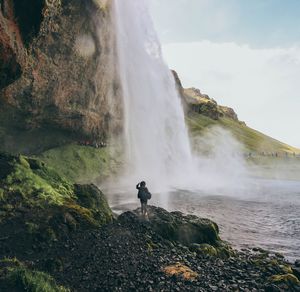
243 53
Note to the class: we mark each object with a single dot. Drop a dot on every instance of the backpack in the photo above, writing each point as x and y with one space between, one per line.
148 195
144 194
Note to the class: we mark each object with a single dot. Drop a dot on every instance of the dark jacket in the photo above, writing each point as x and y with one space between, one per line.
143 194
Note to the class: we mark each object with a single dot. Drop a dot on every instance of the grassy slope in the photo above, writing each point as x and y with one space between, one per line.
85 164
253 140
81 163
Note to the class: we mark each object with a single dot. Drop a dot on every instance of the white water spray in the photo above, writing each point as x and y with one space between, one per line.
157 142
156 139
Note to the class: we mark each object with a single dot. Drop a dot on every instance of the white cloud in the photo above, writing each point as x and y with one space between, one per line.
193 19
262 85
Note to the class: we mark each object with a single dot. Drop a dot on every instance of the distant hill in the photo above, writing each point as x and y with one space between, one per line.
203 112
254 141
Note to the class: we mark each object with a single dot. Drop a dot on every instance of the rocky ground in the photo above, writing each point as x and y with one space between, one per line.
134 254
60 236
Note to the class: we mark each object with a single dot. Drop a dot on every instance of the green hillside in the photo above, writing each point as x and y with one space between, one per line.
253 140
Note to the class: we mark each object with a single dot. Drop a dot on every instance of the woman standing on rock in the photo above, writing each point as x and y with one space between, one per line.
144 195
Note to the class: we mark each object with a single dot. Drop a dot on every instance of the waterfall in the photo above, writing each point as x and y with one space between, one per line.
156 139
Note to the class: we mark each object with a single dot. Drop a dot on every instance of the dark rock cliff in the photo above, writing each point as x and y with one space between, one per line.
195 101
53 55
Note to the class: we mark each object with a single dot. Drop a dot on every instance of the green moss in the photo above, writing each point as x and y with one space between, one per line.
224 250
207 249
265 263
84 213
286 278
46 201
186 229
221 250
81 163
287 269
15 275
36 185
90 197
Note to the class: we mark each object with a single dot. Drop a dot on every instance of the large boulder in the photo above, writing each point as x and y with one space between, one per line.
91 198
175 226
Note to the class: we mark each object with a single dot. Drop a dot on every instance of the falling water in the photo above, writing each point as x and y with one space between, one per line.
218 184
157 142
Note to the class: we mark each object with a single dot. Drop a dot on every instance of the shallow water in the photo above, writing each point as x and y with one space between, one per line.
269 218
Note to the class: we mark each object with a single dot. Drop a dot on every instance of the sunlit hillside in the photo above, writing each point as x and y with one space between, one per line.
254 141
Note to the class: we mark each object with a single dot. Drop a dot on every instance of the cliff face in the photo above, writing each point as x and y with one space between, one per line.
52 57
195 101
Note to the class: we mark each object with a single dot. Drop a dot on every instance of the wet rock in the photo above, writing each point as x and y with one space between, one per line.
186 229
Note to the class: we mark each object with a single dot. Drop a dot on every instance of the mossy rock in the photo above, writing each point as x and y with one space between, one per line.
90 197
204 249
266 263
15 277
286 278
220 250
175 226
31 183
225 252
186 229
38 206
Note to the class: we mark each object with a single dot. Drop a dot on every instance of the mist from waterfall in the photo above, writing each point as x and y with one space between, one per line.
157 143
